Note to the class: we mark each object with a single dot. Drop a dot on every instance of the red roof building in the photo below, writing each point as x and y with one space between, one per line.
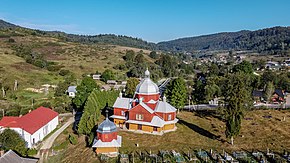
33 126
145 112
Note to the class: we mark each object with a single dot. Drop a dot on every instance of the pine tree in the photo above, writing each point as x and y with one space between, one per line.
177 93
96 101
237 101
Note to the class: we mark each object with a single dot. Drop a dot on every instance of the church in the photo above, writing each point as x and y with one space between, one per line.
145 112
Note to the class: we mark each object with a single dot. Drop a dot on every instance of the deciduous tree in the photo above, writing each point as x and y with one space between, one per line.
177 93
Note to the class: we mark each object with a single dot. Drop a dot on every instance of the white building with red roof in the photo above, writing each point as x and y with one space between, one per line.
33 126
145 112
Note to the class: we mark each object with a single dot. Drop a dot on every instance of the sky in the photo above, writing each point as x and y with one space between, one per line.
150 20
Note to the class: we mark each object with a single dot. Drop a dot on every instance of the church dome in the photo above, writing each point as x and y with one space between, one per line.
147 86
107 126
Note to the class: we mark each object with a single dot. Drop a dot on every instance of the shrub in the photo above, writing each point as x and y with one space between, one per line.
72 139
32 152
64 72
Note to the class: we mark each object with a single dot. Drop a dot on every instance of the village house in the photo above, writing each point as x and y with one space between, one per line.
33 126
107 141
71 91
97 77
145 112
12 157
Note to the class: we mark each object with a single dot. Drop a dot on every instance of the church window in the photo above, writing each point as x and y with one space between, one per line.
169 117
139 117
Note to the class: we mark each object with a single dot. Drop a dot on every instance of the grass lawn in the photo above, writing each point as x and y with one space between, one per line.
261 129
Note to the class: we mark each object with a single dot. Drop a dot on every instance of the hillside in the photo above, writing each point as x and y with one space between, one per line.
88 39
270 40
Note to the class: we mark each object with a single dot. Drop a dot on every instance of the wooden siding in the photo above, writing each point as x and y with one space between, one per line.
147 98
107 137
101 150
147 116
165 115
118 111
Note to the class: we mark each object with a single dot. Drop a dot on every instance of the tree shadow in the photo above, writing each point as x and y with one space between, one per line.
209 113
200 130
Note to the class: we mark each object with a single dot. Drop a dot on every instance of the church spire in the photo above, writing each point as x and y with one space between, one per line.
147 73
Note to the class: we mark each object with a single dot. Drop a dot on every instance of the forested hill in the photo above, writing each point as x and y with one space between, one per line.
274 40
89 39
269 39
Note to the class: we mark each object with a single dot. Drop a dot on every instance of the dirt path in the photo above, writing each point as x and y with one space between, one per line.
47 144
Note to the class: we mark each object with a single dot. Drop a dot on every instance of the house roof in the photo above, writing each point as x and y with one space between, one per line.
72 89
11 156
31 122
279 92
257 93
124 103
164 107
113 143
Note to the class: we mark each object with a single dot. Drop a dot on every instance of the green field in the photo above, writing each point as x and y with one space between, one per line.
195 131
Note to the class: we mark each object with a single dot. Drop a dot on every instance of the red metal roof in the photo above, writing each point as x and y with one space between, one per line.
31 122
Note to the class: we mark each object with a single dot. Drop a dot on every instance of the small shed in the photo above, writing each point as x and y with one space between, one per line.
71 90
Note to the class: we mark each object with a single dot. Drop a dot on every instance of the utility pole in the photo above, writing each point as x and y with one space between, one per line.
3 114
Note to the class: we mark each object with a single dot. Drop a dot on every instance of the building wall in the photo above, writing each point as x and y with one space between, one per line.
168 127
166 115
119 122
43 131
147 98
147 116
118 111
107 137
133 126
101 150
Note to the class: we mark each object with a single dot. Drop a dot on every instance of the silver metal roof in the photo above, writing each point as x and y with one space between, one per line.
107 126
147 86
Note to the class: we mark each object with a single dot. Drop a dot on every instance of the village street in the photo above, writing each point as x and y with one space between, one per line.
47 144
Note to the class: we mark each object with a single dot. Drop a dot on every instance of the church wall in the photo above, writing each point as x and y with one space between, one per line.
147 116
119 122
118 111
168 127
101 150
133 126
147 98
108 137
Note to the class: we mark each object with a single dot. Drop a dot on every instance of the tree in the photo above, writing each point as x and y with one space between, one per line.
213 70
212 90
268 92
154 55
107 75
177 93
131 86
83 91
130 56
244 66
10 139
96 101
237 101
140 58
199 92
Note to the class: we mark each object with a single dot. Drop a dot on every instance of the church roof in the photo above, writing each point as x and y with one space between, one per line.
124 103
147 86
113 143
156 121
107 126
164 107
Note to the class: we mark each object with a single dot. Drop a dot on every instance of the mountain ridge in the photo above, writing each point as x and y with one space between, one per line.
273 40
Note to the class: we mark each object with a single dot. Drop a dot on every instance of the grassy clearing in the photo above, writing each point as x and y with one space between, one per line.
198 131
